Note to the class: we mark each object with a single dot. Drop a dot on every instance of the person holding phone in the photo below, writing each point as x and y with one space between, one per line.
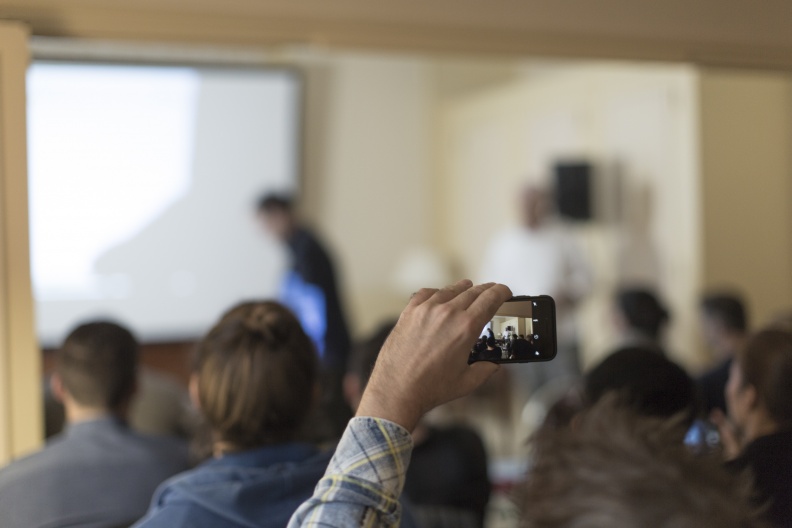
367 472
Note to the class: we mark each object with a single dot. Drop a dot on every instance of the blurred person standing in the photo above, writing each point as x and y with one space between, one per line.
310 290
254 382
98 472
541 257
724 326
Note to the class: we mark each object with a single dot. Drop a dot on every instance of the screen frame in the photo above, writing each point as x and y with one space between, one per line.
94 54
543 309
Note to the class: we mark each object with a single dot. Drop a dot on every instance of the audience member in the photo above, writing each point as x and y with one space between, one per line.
98 472
310 290
410 377
645 381
447 483
759 400
724 326
254 381
640 318
160 407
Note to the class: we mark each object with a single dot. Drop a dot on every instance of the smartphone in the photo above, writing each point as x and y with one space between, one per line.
523 330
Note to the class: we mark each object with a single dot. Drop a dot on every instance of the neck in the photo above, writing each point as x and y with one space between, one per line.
759 424
77 414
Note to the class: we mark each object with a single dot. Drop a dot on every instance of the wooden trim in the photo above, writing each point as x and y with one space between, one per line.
271 25
20 359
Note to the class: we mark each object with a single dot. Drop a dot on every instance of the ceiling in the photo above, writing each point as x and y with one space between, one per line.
716 32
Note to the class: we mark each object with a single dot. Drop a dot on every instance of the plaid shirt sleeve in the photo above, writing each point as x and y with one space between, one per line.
362 484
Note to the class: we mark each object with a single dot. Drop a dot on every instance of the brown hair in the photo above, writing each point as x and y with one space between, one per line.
98 364
766 364
256 372
618 469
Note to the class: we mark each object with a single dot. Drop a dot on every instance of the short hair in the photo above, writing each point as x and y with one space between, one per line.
642 310
618 469
271 202
97 364
365 353
645 381
766 364
726 308
256 371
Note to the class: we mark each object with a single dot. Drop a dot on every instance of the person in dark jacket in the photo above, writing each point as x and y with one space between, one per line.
310 289
759 401
724 325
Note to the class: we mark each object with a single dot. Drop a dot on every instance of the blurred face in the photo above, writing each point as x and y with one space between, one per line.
278 223
710 331
535 207
739 397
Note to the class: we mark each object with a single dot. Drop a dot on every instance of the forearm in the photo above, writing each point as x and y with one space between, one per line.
363 481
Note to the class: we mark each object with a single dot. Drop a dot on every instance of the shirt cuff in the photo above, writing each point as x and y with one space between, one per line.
375 450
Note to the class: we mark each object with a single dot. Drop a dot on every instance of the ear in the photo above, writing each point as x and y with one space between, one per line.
192 389
751 396
352 390
56 385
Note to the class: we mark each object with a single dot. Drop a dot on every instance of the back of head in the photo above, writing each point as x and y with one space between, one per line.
727 309
645 381
97 365
256 370
618 469
272 202
766 364
642 311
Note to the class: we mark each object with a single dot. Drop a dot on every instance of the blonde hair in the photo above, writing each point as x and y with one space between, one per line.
256 372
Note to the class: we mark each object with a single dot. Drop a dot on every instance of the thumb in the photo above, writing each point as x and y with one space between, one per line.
477 374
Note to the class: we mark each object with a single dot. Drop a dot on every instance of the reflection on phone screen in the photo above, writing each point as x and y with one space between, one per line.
520 331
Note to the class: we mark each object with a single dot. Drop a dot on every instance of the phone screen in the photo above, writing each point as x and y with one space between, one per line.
522 330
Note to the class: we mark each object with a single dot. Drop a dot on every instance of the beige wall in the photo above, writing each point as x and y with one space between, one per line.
746 179
637 124
368 169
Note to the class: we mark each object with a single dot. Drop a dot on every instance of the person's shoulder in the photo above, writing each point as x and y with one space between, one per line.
24 468
40 462
165 452
459 436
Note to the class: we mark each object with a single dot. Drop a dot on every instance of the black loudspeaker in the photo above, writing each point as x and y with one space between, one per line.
573 190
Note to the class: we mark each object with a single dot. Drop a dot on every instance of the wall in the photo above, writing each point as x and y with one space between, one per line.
368 171
638 125
746 179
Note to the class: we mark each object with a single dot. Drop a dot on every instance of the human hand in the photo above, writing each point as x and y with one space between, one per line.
423 363
729 437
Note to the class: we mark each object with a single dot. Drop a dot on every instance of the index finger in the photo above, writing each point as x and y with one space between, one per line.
488 302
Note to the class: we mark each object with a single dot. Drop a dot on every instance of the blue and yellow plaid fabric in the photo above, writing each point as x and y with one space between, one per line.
363 481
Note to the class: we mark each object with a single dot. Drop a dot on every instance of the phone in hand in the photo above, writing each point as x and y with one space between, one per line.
523 330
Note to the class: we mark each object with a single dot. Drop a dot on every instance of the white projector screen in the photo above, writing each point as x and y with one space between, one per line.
143 181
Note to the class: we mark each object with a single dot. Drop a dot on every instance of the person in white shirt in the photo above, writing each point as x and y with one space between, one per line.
541 257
